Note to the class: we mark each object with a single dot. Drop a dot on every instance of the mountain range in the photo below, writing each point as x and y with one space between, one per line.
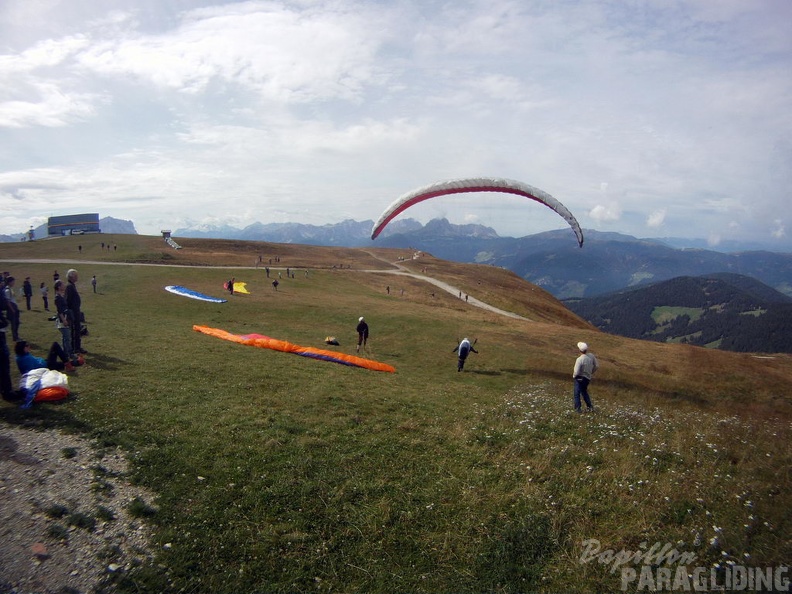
608 262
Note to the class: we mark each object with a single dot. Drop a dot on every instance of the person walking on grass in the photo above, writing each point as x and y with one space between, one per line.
463 349
585 367
363 333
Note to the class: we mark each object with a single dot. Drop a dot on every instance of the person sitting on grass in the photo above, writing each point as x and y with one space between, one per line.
56 358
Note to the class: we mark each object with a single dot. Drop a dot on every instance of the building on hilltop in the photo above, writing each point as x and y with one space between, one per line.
73 224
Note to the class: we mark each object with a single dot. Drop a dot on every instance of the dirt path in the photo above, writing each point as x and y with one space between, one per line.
450 289
455 291
58 531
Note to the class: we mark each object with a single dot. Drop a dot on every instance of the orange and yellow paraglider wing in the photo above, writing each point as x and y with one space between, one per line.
265 342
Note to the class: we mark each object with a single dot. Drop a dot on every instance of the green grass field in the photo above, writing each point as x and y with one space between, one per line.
278 473
664 314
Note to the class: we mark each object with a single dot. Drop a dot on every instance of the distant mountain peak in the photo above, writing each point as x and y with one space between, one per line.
119 226
348 232
441 227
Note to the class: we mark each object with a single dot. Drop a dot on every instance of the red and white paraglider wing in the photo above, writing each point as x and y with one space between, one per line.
478 184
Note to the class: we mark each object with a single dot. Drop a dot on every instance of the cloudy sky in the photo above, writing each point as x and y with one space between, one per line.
651 118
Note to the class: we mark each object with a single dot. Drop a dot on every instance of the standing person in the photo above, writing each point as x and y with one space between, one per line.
11 307
93 283
27 291
363 333
44 295
62 319
73 303
6 389
463 349
585 367
231 286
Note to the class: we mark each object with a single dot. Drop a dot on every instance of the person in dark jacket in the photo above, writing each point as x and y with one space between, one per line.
6 388
27 291
62 320
73 302
363 333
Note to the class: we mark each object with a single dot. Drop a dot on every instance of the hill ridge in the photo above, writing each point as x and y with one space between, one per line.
727 311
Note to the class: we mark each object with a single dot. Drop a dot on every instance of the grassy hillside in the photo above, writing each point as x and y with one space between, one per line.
280 473
726 311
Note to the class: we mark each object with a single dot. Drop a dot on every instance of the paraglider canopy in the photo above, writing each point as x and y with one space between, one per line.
476 184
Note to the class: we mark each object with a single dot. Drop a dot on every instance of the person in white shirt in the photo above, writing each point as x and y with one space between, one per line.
463 349
585 367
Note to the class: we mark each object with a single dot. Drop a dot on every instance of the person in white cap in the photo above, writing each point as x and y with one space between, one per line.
585 367
363 333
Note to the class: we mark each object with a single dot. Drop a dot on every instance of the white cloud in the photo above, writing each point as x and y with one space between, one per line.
45 54
50 108
330 109
606 213
656 218
277 52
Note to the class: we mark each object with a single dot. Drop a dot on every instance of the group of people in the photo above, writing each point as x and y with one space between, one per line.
68 320
585 367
